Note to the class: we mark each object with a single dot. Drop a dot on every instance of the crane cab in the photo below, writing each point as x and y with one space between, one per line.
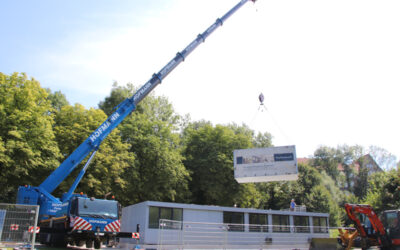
95 208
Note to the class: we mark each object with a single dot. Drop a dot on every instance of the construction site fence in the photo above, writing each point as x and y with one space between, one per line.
18 225
196 235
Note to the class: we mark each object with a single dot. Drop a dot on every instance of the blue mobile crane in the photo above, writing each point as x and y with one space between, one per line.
75 218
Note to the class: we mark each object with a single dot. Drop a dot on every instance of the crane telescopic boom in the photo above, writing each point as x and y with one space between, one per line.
92 143
75 218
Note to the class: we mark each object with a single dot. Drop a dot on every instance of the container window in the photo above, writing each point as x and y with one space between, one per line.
301 224
234 220
258 222
320 224
280 223
173 214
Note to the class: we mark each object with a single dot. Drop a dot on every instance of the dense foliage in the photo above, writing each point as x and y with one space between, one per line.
156 154
28 147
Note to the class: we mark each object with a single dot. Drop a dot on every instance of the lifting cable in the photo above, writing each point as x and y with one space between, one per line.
268 114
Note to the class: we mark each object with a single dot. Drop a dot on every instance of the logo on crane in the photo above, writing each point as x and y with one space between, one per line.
141 91
103 127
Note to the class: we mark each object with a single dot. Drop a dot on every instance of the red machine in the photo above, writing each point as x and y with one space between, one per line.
371 230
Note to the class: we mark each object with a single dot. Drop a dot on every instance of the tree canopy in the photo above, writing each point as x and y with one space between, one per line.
28 148
150 131
208 157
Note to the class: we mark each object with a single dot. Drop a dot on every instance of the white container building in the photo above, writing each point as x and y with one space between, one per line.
212 226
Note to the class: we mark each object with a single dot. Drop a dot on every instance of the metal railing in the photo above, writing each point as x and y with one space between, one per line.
297 208
196 235
18 224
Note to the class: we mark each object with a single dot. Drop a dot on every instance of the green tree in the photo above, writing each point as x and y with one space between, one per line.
328 159
57 99
361 182
336 193
262 140
248 196
320 200
376 183
281 193
309 177
386 189
349 177
161 175
28 149
117 95
319 193
156 108
151 132
209 158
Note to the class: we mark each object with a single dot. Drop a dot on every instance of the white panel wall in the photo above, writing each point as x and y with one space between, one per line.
131 217
192 215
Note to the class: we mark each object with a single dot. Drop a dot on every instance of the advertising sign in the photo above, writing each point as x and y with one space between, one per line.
265 164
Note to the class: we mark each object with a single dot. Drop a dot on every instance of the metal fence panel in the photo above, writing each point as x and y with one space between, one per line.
196 235
18 223
2 218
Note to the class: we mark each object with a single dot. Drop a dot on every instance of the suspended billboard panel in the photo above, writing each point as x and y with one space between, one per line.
265 164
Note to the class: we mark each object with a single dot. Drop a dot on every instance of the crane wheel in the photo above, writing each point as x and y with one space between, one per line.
89 243
97 244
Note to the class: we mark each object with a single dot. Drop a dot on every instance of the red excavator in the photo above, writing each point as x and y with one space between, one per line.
371 230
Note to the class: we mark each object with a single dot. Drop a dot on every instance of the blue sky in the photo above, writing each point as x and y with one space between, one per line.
37 32
329 70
